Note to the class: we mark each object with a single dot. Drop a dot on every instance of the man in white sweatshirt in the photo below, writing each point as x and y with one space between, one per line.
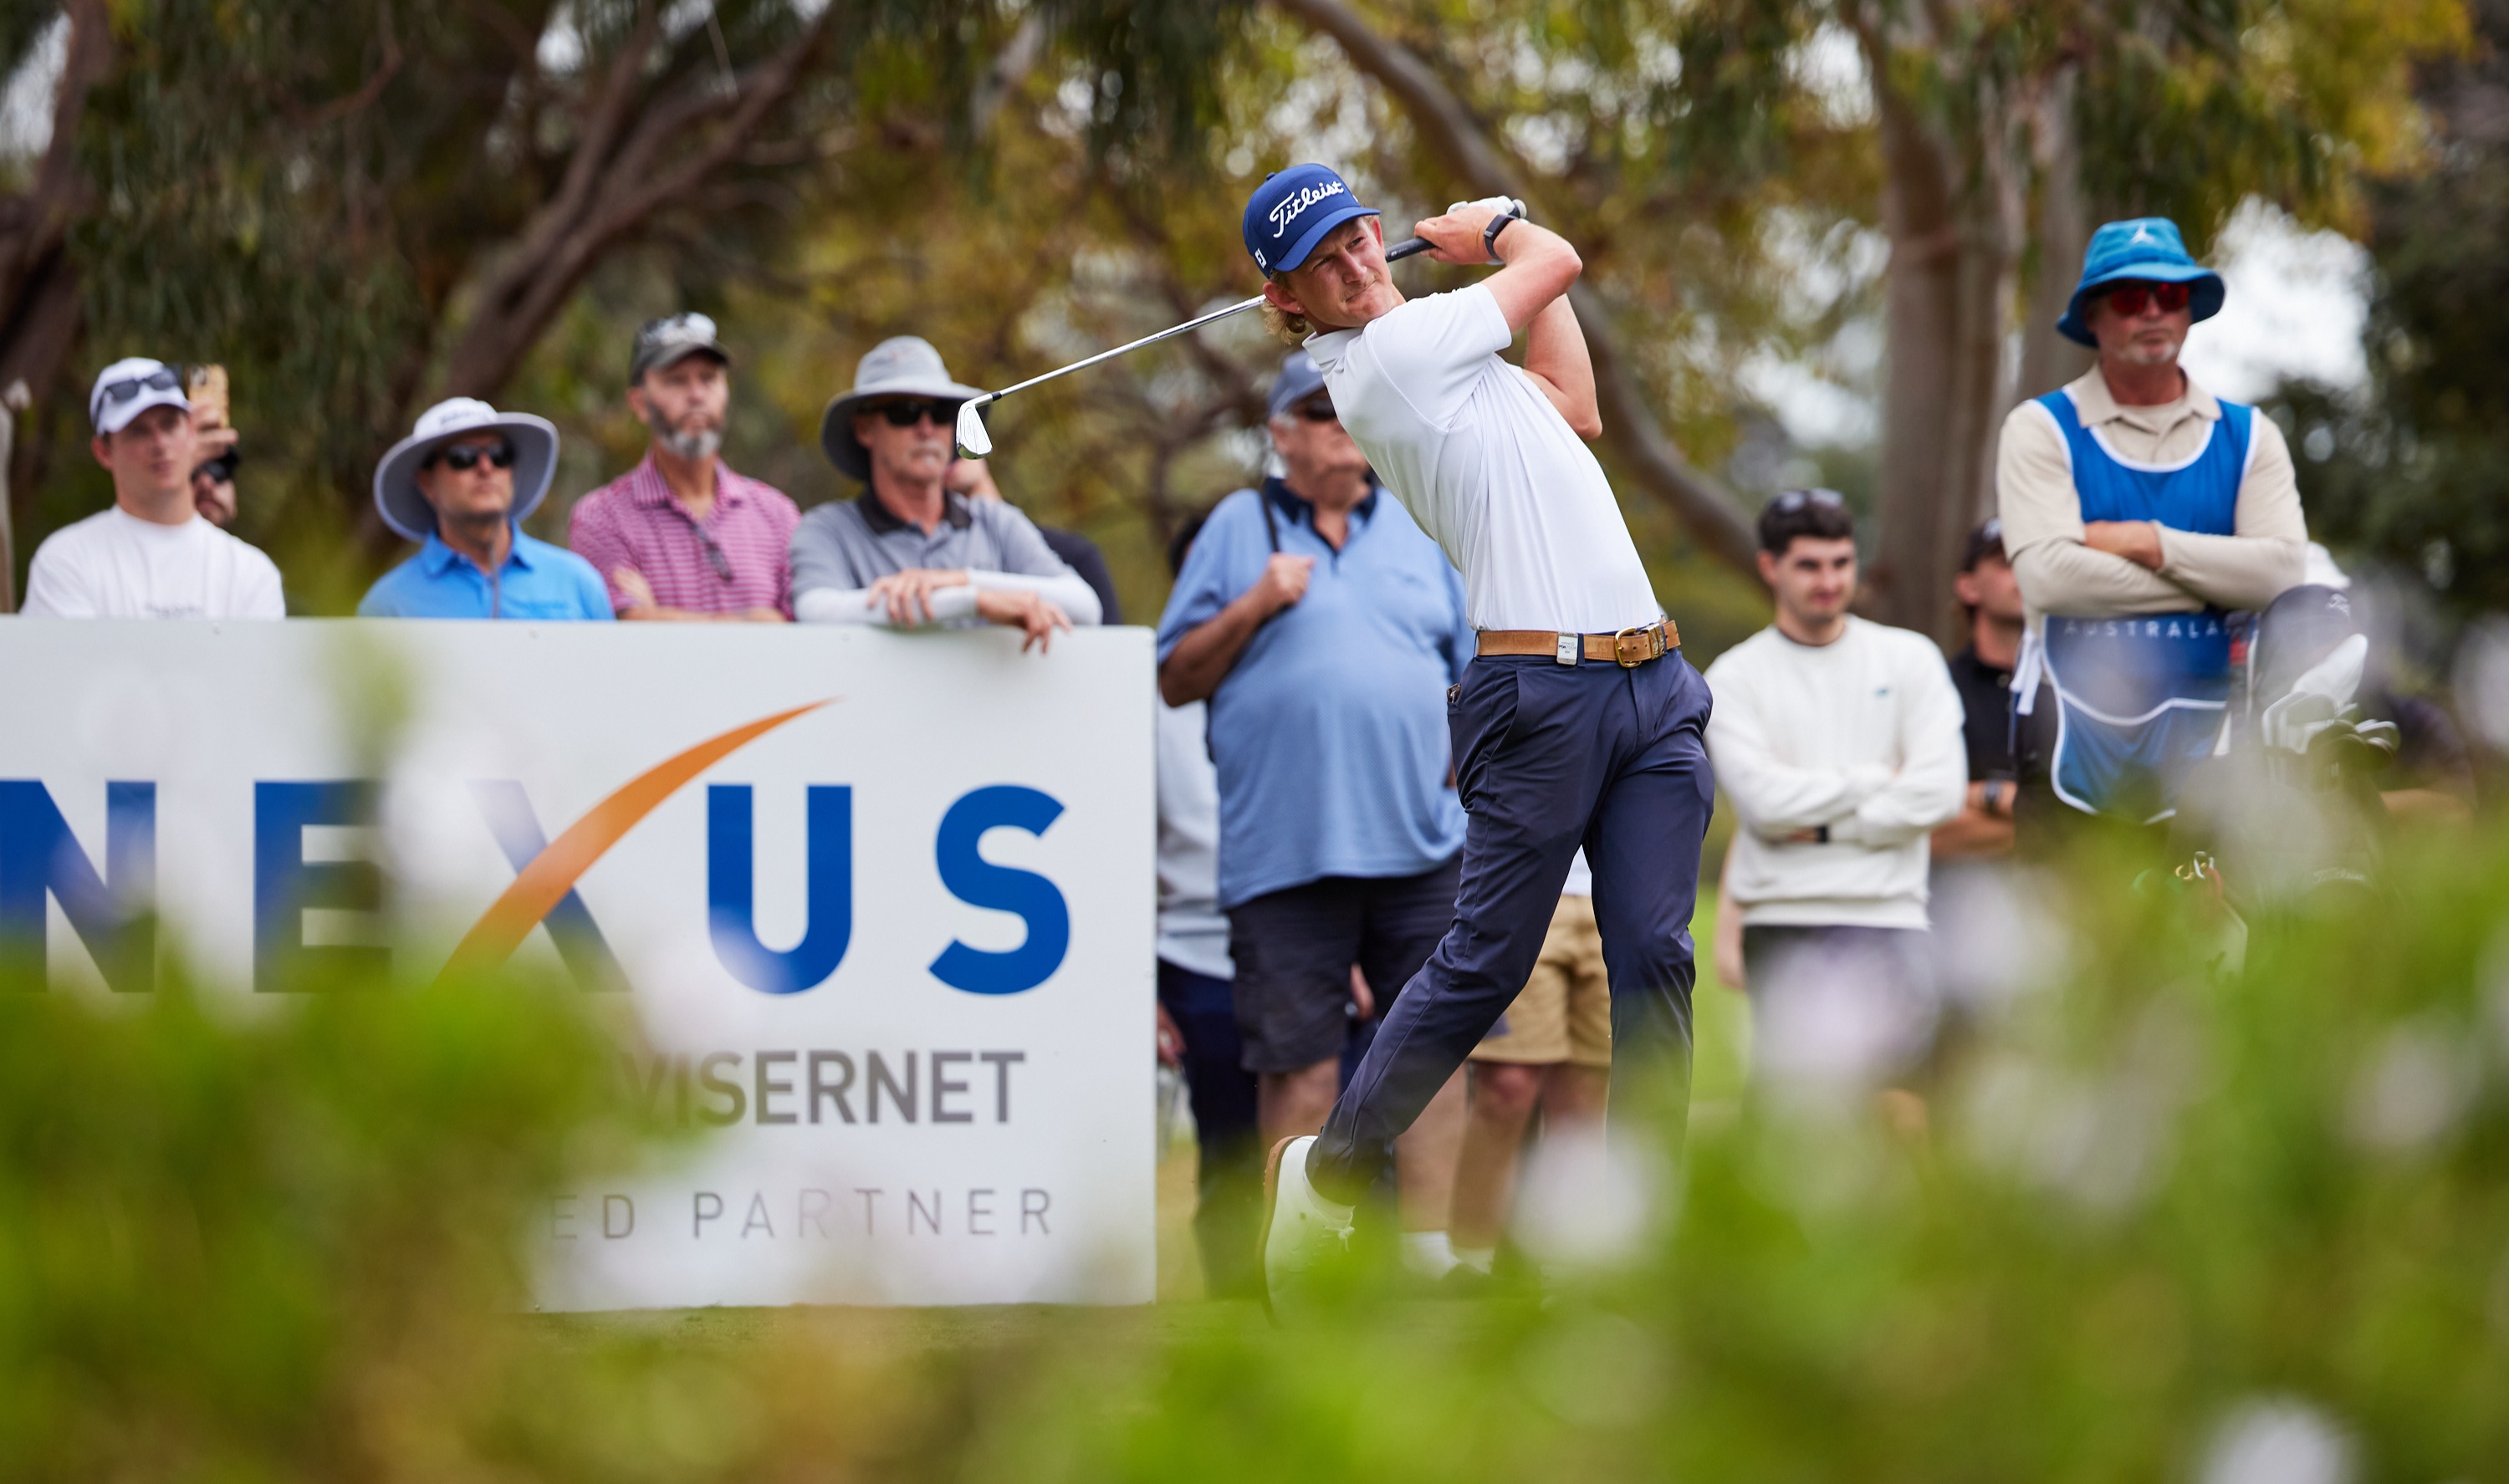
1839 742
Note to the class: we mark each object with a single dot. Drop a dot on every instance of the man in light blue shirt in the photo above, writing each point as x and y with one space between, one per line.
451 486
1323 628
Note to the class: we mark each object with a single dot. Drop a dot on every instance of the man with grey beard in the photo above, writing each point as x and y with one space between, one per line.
680 536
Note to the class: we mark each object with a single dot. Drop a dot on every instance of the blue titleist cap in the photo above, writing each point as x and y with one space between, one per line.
1291 212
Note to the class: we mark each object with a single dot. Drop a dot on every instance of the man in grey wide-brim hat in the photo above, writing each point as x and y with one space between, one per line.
910 552
460 486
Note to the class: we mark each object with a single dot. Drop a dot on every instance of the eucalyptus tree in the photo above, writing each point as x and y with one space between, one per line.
1997 137
361 207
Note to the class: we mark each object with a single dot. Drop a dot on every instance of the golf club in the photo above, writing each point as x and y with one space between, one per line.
974 441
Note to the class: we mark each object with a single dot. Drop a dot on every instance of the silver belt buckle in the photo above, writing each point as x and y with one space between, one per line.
1572 649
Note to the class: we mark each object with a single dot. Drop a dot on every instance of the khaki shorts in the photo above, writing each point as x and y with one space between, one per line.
1564 1011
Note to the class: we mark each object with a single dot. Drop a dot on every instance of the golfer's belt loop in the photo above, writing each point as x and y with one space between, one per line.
1632 648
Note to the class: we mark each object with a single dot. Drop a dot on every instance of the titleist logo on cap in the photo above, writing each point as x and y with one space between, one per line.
1288 206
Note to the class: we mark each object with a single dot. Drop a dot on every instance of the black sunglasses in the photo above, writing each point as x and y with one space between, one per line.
160 380
1319 409
906 414
462 458
1788 503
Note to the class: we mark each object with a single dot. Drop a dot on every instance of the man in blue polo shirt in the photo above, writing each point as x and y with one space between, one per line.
460 486
1325 628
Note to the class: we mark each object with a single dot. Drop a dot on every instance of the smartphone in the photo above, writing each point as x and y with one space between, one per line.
208 391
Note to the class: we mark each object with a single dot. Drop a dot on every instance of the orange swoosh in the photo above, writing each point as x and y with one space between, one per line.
544 882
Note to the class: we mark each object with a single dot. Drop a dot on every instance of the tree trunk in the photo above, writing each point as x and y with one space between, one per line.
2059 232
1640 449
38 289
1950 203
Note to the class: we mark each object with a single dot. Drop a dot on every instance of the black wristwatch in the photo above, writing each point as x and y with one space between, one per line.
1489 233
1821 835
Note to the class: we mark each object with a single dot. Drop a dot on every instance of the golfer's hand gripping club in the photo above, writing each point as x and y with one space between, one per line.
974 441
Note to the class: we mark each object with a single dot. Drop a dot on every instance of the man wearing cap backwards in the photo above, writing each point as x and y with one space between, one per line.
2137 509
1324 629
151 555
680 536
451 486
1577 723
910 552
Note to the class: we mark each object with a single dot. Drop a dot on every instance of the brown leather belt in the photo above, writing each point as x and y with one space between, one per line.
1629 649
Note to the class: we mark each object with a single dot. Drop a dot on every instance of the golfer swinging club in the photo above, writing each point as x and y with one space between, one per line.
1578 724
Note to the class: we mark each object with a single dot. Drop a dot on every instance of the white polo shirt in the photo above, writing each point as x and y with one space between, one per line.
1487 466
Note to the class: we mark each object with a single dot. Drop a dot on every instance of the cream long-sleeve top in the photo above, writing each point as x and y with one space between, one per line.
1860 736
2042 515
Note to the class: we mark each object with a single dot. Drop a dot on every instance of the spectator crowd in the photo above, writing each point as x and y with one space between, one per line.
1309 660
682 536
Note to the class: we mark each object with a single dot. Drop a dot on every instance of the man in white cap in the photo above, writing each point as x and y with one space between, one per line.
910 552
151 556
452 487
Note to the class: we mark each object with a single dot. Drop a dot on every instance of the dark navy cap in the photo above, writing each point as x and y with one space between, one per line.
1291 212
1987 541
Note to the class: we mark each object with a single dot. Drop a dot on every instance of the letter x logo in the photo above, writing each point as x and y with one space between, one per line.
546 872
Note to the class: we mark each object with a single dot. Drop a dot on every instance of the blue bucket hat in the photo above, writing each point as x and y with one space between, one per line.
2148 248
1291 212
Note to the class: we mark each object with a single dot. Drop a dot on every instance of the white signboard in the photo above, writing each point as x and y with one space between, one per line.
882 904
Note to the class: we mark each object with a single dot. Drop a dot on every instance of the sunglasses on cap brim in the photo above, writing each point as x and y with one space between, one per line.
912 410
1792 501
462 457
1316 409
675 328
2133 296
162 378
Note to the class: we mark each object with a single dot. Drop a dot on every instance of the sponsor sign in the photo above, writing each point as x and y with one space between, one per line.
882 905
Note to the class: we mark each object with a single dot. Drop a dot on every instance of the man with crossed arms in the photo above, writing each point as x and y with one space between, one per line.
1577 723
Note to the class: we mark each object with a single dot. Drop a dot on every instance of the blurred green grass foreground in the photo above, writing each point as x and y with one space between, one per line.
2153 1222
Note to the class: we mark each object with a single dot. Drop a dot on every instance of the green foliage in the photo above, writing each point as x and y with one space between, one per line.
2137 1200
254 1249
2410 472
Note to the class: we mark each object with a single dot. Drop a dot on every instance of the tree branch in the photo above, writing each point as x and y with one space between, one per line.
1711 513
611 193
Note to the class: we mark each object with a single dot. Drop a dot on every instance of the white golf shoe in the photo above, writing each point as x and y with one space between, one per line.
1300 1227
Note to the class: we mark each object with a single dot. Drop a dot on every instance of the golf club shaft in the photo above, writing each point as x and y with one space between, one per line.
1399 250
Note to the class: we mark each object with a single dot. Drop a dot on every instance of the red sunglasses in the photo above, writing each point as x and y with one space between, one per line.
2133 297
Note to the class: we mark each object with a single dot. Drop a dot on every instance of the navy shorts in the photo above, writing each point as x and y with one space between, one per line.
1293 950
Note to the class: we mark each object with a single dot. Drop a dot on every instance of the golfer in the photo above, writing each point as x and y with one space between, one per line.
1577 723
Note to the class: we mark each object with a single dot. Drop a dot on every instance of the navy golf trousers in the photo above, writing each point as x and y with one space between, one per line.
1548 757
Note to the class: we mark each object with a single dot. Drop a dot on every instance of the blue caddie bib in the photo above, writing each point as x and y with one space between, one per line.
2140 699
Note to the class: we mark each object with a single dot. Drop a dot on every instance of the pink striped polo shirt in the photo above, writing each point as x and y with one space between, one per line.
737 558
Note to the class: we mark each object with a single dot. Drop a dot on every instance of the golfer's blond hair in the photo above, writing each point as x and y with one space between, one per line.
1284 327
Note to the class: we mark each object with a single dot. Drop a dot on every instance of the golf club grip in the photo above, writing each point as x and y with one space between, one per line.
1406 249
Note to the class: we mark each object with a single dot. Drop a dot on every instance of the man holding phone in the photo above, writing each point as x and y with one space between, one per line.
213 490
151 555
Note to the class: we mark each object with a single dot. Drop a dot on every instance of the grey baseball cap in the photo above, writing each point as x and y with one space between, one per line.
670 339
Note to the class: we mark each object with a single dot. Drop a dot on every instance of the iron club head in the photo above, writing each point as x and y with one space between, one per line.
974 441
